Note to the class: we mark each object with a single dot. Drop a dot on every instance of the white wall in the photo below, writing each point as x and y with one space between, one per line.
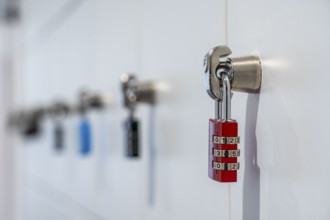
70 44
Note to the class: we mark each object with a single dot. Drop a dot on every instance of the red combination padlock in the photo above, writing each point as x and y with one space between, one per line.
223 150
223 140
221 74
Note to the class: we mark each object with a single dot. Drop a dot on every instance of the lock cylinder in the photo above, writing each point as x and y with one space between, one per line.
246 74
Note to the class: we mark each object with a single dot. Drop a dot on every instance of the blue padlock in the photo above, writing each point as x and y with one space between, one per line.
85 137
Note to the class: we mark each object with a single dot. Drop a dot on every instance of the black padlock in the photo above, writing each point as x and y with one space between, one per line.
132 145
58 136
58 112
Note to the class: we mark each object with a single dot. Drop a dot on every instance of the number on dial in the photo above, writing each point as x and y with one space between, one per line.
225 166
226 140
226 153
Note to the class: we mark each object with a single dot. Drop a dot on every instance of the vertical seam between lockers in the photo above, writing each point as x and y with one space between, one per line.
226 21
226 43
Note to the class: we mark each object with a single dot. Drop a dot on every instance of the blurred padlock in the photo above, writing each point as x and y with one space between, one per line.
58 112
85 133
85 136
132 142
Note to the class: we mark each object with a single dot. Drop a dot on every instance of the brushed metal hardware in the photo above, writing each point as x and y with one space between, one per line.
27 122
244 72
137 92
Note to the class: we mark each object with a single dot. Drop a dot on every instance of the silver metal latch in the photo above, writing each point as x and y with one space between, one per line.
244 72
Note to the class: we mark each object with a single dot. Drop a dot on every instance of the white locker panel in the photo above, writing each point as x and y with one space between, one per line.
292 113
71 44
92 46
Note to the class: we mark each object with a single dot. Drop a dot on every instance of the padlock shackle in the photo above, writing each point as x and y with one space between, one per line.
218 109
226 101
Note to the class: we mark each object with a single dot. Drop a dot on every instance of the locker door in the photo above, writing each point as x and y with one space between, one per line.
290 118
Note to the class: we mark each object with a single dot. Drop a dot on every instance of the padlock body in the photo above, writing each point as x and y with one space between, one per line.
223 150
85 136
132 148
58 137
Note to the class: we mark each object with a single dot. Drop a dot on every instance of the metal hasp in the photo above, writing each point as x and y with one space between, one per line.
222 76
135 92
27 122
244 72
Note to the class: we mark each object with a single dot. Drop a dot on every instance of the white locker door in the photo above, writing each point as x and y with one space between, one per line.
292 116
